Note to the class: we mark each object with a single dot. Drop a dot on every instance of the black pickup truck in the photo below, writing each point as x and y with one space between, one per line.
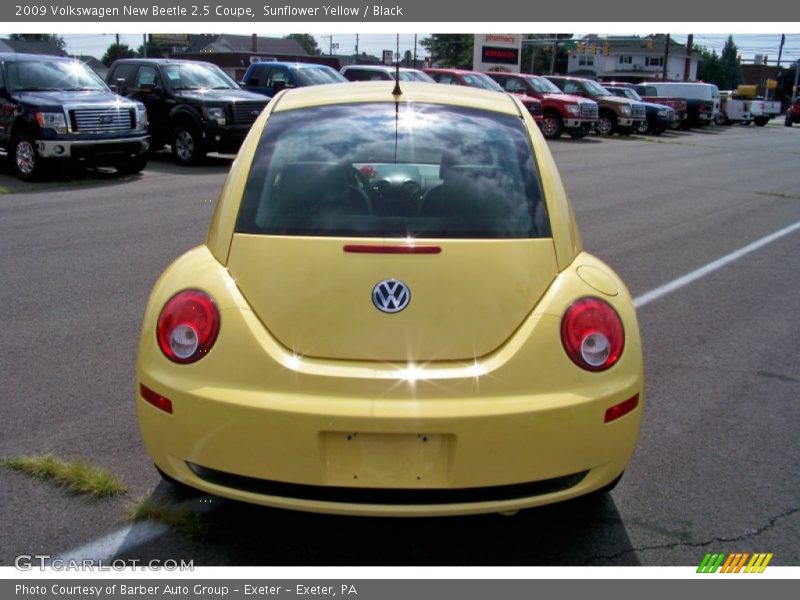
57 109
193 106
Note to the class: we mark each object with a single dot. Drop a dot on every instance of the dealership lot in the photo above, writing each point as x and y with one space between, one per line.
716 468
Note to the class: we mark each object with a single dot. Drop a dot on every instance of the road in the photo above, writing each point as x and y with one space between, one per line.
718 464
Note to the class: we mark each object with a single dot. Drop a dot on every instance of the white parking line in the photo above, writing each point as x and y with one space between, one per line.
115 543
131 536
685 280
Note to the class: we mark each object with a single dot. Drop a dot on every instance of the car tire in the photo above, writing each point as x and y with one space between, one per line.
133 165
25 160
761 121
187 144
643 128
552 126
606 124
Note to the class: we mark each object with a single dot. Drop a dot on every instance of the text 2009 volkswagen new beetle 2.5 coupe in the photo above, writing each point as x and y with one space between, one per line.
392 314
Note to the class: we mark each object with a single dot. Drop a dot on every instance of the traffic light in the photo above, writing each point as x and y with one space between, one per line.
606 49
593 49
649 43
581 47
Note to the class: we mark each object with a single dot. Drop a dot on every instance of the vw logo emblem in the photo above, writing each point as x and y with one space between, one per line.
390 295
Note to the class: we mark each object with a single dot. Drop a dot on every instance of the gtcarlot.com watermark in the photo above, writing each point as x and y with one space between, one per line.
28 562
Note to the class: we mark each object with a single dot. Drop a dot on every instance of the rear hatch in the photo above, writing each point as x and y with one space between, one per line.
370 232
317 299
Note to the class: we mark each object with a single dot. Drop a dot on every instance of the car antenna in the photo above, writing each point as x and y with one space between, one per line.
397 91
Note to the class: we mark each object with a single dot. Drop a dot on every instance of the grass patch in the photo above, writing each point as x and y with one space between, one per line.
75 476
181 519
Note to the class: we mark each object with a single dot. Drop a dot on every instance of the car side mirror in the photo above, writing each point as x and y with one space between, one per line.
120 86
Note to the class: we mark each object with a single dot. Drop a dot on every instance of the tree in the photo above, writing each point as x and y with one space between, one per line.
730 65
709 67
537 58
450 49
307 41
153 51
724 71
51 38
116 51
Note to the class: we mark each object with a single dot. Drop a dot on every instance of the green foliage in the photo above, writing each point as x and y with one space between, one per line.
52 38
537 58
450 50
730 64
76 476
153 51
116 51
307 41
724 71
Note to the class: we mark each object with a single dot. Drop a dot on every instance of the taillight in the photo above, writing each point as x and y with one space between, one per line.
592 334
187 326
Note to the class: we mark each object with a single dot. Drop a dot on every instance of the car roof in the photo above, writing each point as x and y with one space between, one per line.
381 91
13 56
457 71
295 65
159 61
385 68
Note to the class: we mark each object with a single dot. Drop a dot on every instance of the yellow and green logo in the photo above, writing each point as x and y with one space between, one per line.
735 563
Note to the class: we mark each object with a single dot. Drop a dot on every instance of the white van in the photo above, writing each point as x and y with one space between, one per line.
702 98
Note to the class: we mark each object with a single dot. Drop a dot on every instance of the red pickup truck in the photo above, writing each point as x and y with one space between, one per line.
562 112
483 81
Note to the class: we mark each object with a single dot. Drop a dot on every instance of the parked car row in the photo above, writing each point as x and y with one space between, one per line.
57 108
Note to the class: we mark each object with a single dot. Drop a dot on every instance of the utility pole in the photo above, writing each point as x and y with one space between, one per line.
144 45
778 67
666 58
796 73
553 58
687 65
415 50
356 48
330 43
254 43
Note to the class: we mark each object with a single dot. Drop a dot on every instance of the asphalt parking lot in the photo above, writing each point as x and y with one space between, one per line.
716 469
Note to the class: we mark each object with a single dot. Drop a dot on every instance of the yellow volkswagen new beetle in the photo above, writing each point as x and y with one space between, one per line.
392 314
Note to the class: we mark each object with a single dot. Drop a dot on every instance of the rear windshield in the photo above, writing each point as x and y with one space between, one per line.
386 170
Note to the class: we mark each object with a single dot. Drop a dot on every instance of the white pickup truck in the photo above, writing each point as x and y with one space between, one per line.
762 110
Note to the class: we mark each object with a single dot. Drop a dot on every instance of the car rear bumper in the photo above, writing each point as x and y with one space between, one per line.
372 457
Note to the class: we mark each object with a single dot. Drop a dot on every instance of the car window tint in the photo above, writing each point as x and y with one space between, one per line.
147 76
256 77
126 72
367 170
